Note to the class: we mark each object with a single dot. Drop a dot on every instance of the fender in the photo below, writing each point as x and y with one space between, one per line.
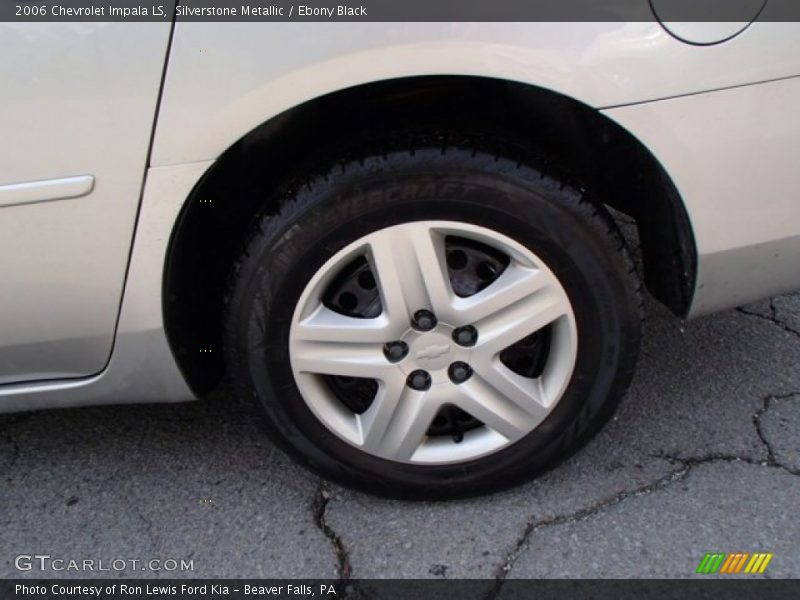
225 79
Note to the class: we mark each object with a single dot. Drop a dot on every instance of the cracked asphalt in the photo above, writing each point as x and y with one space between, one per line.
702 456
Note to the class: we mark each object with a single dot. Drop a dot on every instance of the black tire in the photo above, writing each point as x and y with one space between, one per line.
574 235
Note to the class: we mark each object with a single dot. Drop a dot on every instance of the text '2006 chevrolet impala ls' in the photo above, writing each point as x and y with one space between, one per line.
396 238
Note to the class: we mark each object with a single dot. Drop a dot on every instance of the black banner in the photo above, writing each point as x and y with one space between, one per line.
394 589
405 10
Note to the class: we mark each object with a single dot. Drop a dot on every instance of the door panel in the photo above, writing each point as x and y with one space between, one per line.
78 102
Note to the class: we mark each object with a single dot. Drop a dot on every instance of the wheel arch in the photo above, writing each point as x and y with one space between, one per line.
584 145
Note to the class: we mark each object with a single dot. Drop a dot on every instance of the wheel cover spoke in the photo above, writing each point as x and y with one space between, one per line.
397 421
326 325
411 271
328 343
347 360
515 284
515 321
478 398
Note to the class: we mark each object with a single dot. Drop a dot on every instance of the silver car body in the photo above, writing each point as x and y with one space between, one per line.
107 128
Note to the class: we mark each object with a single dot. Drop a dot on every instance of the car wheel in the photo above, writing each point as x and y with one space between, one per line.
433 323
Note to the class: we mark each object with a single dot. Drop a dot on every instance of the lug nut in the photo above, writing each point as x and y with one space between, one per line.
424 320
459 372
395 351
465 336
419 380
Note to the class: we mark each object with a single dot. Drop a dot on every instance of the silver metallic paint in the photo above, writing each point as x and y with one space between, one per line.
80 99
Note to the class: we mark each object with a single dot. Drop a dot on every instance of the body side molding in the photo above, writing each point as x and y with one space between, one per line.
46 190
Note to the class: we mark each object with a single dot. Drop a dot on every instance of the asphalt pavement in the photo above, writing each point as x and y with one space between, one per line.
702 456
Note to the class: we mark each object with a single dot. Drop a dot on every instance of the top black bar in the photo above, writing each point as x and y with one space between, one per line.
400 10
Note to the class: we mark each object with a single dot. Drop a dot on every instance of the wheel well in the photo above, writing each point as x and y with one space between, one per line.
578 141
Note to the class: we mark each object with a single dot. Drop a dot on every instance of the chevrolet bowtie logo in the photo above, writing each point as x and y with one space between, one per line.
432 352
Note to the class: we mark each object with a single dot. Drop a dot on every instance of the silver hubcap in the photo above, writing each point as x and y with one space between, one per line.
409 264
